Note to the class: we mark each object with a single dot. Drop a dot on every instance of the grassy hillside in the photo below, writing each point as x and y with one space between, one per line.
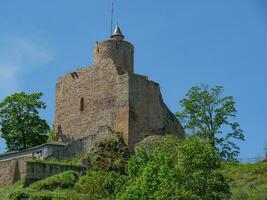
247 181
110 178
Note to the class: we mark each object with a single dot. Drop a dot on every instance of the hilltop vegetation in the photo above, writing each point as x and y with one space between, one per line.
195 167
247 181
174 169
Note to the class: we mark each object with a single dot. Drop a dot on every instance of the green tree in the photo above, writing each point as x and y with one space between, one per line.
52 134
188 170
20 123
209 115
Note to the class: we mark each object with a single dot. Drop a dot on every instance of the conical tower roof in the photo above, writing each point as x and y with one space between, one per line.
117 34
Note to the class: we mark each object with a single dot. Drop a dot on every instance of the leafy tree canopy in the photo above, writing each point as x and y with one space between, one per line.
186 170
209 115
99 185
20 123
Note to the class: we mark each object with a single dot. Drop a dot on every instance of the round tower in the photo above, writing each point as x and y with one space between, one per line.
116 48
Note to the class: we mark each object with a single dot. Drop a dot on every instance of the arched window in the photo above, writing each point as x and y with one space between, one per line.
82 104
59 130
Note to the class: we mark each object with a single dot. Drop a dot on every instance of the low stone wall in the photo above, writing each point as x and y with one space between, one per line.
13 165
37 171
41 152
84 145
12 170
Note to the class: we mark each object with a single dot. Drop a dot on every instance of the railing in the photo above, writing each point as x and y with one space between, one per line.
251 160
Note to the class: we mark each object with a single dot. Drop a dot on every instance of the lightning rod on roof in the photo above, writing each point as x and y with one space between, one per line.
112 16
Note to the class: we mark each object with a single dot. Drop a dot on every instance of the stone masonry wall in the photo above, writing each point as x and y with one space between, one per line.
12 170
82 146
126 103
91 98
121 53
148 113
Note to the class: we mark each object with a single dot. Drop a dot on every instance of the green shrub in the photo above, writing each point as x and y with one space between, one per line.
176 170
51 134
97 184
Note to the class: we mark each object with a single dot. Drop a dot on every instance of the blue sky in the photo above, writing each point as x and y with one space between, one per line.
177 44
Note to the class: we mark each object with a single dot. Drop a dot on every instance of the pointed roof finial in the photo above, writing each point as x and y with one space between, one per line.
117 34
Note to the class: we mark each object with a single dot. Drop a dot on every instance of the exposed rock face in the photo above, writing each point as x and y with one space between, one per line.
150 142
109 94
109 154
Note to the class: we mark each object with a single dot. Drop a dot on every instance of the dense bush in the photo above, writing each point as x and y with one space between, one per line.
175 170
97 184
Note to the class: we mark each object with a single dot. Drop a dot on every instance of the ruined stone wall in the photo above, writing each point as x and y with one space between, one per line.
126 103
82 146
12 170
148 113
91 98
110 94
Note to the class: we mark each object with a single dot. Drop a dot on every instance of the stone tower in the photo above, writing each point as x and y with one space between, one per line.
109 94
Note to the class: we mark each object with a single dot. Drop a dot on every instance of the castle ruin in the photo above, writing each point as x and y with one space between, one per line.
110 94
